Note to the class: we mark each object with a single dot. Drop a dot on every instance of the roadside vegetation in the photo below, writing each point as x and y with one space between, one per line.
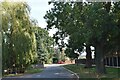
29 70
87 73
86 25
32 70
23 42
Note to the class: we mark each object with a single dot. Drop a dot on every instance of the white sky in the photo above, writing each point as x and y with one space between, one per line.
38 10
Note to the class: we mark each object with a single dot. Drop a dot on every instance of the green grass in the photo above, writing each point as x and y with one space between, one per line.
90 74
32 71
29 70
12 75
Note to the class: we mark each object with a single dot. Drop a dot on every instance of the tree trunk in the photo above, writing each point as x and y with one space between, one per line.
88 57
99 59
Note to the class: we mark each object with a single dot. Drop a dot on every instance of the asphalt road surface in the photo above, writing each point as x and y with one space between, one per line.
51 72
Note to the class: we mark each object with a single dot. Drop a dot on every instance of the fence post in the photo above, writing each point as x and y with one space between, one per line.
109 61
117 59
112 62
105 60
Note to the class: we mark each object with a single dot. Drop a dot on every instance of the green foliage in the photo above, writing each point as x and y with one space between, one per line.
44 45
19 43
24 43
94 24
64 17
70 53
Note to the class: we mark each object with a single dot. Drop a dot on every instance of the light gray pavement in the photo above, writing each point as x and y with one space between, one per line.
55 71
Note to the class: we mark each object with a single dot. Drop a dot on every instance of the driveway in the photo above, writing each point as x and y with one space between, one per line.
51 72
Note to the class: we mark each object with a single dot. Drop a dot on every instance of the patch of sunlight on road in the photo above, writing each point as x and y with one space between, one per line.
53 65
59 73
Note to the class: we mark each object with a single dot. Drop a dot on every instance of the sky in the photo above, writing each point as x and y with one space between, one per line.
38 10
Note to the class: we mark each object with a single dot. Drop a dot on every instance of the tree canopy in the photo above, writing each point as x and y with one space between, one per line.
87 24
22 38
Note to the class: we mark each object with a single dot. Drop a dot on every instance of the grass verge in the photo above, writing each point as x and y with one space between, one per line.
27 71
32 71
90 74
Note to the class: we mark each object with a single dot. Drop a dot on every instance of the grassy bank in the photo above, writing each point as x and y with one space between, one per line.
29 70
90 74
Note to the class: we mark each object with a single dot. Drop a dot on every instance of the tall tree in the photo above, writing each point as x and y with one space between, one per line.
44 45
92 24
69 19
18 39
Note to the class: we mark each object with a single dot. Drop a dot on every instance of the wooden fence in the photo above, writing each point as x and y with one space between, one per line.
109 61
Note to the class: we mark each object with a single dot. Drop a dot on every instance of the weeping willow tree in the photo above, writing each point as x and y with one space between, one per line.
19 43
